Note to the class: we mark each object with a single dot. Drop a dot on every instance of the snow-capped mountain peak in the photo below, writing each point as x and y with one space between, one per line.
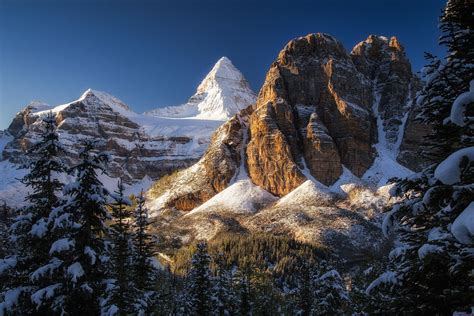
105 98
221 94
91 98
222 71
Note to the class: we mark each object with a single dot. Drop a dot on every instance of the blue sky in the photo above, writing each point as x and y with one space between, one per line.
155 53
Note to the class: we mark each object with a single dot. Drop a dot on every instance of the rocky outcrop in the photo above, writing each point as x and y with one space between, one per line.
191 187
317 73
320 109
383 61
142 146
100 117
321 153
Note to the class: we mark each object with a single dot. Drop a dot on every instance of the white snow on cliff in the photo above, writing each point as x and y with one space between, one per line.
222 93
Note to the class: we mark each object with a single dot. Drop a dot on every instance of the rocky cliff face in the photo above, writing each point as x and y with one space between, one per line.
142 147
98 116
322 109
314 109
191 187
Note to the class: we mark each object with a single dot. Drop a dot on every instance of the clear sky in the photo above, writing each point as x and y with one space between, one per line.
155 53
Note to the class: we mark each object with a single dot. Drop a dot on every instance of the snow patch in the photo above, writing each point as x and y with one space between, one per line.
448 171
427 249
458 110
63 244
463 225
388 277
242 197
309 191
75 270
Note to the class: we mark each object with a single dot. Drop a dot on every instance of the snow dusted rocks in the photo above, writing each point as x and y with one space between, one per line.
463 225
143 147
319 111
323 108
307 159
213 173
222 93
139 146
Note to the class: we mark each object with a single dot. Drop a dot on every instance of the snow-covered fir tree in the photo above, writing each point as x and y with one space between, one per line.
446 79
224 300
120 291
5 222
199 281
144 264
430 270
304 293
330 294
79 255
30 233
244 289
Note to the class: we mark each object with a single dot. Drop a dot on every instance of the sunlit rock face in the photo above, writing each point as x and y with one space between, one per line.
97 116
319 110
317 74
149 145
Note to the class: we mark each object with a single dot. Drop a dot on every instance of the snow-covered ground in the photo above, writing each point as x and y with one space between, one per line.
241 197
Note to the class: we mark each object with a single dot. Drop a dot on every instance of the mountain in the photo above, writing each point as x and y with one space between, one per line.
142 147
317 147
222 93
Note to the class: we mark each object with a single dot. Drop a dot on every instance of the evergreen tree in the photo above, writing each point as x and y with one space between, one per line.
79 255
30 231
329 292
143 261
244 288
446 79
223 297
5 222
304 290
120 291
430 272
200 281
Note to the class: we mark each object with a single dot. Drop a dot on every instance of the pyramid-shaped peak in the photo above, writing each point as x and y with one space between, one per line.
222 73
224 60
224 68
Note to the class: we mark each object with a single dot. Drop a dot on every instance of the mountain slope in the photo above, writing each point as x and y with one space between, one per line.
142 147
222 93
324 136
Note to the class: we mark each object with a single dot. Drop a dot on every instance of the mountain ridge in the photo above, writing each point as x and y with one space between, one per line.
142 147
325 121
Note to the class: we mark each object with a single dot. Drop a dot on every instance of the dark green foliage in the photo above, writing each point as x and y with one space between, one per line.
30 231
447 79
261 269
82 222
144 273
224 299
261 251
430 272
199 281
120 264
